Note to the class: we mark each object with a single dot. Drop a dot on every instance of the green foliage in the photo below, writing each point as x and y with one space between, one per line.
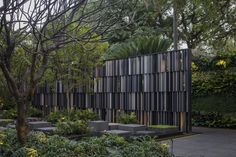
75 122
8 114
138 46
128 118
214 119
39 144
11 113
61 116
214 103
25 152
77 127
74 63
217 82
57 116
34 112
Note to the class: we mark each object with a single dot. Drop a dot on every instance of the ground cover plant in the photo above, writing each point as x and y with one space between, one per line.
41 145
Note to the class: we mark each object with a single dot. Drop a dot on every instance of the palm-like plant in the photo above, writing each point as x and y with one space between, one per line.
138 46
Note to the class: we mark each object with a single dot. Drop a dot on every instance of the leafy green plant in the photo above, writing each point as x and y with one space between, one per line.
61 116
34 112
128 118
77 127
57 116
107 145
8 114
138 46
214 119
85 115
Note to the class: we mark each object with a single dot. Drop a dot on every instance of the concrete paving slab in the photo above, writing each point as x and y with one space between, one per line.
119 132
113 126
99 125
132 127
39 124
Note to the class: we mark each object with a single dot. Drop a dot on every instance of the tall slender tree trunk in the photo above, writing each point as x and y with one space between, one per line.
21 124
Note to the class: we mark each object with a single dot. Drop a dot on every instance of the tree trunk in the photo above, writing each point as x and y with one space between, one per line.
21 124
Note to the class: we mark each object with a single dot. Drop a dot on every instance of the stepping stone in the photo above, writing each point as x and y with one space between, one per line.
2 128
98 126
113 126
146 132
119 132
46 129
39 124
132 127
33 119
11 126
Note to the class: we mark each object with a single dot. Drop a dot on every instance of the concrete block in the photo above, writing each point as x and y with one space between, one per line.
132 127
146 133
11 126
119 132
98 126
113 126
46 129
2 128
39 124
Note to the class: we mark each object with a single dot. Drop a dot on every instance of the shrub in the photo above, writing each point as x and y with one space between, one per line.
25 152
215 103
8 114
128 118
55 117
34 112
85 115
77 127
61 116
39 144
214 119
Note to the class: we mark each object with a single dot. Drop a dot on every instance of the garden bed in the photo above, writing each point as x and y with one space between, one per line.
164 129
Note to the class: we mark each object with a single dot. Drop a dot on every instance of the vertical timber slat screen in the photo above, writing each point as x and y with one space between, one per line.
157 87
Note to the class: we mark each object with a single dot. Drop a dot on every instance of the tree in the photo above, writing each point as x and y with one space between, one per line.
200 23
74 66
138 46
33 29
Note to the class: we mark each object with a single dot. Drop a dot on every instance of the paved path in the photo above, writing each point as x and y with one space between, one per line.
210 143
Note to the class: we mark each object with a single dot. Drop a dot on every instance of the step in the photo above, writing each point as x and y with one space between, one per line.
46 129
119 132
11 126
113 126
2 128
33 119
146 133
132 127
39 124
99 125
